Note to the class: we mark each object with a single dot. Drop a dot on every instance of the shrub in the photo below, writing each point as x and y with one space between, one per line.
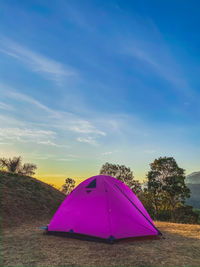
186 214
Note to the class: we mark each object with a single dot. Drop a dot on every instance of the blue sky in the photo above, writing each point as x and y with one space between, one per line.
85 82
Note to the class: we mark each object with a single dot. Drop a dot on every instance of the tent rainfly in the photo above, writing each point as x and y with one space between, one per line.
104 208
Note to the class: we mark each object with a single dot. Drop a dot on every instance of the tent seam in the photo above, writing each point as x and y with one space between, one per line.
108 208
139 210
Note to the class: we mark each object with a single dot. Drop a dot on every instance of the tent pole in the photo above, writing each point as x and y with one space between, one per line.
138 210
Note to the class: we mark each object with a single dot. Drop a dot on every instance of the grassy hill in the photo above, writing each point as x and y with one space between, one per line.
27 199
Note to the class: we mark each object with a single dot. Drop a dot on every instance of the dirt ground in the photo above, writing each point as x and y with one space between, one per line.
27 246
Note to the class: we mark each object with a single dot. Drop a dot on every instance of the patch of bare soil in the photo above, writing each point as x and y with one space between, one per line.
27 246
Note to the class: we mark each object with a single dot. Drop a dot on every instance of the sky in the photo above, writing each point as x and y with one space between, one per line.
88 82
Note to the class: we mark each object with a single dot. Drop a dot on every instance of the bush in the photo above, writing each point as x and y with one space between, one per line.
163 215
186 214
197 211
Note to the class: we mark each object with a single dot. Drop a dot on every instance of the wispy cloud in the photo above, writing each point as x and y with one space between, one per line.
150 151
22 97
5 106
89 140
107 153
50 143
4 143
77 16
25 134
37 62
163 65
58 120
83 126
65 159
43 156
153 52
40 137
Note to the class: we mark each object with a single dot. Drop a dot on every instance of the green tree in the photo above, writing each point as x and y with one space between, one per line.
68 186
147 200
166 182
122 173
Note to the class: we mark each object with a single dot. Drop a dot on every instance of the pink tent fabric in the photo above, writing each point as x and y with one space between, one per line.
103 207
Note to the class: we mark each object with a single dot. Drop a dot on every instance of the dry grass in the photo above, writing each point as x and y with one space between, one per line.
25 198
27 246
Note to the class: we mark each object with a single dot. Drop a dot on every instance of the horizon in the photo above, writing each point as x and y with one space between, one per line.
88 82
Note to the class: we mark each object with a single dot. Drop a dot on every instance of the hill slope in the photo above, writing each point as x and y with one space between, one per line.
193 178
193 182
27 199
194 200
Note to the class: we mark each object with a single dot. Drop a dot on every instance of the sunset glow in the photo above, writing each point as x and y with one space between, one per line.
88 82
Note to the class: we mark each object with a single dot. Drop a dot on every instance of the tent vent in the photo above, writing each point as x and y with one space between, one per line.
92 184
88 191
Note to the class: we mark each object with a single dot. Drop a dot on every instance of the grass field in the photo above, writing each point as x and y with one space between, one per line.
25 245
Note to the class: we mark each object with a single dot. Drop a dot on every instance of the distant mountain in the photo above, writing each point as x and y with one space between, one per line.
193 178
193 182
194 199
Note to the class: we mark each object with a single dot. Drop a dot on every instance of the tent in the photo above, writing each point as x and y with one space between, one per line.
105 208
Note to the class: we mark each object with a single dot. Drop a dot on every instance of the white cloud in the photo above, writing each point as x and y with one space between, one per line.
4 143
52 69
50 143
107 153
6 106
163 66
65 159
90 140
153 52
83 126
57 119
77 16
39 156
25 134
150 151
28 99
43 156
41 137
9 121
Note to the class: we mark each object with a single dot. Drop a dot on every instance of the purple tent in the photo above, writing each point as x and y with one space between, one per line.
103 207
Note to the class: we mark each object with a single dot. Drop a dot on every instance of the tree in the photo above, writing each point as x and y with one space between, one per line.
68 186
14 165
122 173
147 200
166 181
135 186
28 169
186 214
